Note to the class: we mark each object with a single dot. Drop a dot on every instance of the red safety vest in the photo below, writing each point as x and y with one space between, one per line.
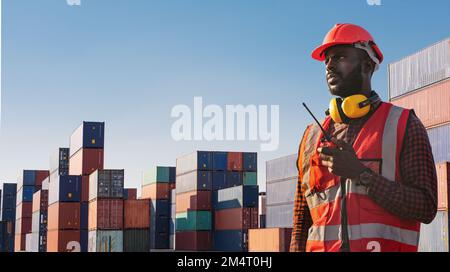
341 209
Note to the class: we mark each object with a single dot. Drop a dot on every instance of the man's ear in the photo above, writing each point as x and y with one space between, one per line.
368 66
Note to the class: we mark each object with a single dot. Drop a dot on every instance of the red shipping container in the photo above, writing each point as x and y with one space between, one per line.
41 175
85 189
106 214
23 225
40 201
431 104
19 242
64 216
24 209
443 171
63 241
156 191
193 240
194 200
132 193
234 161
85 161
136 214
236 219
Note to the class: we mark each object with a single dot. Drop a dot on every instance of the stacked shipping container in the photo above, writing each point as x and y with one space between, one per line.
422 82
262 210
8 215
38 234
157 185
172 227
29 183
136 234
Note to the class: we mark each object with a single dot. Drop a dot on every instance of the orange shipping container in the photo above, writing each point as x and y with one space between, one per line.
23 225
194 200
19 242
443 171
431 104
24 209
85 161
64 216
156 191
234 161
40 201
63 241
105 214
137 214
236 219
269 240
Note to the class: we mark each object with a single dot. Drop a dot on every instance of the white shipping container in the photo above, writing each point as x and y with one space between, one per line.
281 192
423 68
186 163
105 241
282 168
434 236
280 216
440 143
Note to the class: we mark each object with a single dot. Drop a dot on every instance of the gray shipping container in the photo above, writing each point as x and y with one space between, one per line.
280 216
105 241
172 241
434 236
440 143
194 181
136 240
281 168
106 184
423 68
281 192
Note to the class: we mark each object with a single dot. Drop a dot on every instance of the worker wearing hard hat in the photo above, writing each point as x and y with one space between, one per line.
375 182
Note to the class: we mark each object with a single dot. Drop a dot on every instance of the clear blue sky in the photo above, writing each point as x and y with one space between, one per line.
129 62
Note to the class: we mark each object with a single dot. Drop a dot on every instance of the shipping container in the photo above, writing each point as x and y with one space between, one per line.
234 161
23 225
25 194
105 241
106 184
64 216
156 191
159 224
280 216
19 242
59 161
172 241
236 197
440 144
194 181
193 221
84 188
434 237
250 162
136 240
193 241
84 215
262 221
220 161
41 175
87 135
196 161
281 192
236 219
173 194
84 240
39 222
421 69
262 204
194 200
159 240
282 168
40 201
6 236
32 242
233 179
130 194
160 208
106 214
431 104
159 174
46 184
28 178
86 161
24 209
269 240
219 179
136 214
443 176
230 240
63 241
65 189
250 178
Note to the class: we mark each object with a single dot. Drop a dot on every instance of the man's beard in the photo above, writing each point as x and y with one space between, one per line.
350 85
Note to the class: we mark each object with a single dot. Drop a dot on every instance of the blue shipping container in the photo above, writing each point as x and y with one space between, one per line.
68 189
250 162
194 181
236 197
220 161
233 179
230 240
204 160
84 240
218 180
26 193
160 208
84 216
172 174
160 224
29 177
159 241
88 135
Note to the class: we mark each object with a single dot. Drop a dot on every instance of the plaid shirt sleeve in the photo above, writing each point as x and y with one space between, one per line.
415 197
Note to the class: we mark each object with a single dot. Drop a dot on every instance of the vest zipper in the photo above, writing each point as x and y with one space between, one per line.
345 247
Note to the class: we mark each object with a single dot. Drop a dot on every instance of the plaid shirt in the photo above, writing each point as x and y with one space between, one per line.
415 197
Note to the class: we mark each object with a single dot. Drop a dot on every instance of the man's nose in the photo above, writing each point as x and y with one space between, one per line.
330 65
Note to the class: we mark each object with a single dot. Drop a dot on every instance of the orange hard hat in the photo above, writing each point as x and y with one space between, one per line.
346 34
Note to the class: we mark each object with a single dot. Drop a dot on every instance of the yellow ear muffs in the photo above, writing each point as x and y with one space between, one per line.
335 110
351 106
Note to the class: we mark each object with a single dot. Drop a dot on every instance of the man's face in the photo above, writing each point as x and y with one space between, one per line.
343 70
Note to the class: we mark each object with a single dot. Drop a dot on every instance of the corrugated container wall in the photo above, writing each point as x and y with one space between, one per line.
434 236
428 66
440 144
443 176
282 168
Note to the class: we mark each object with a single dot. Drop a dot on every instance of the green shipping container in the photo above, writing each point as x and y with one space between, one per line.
250 178
159 174
136 240
193 221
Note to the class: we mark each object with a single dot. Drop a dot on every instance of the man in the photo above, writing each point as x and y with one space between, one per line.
375 182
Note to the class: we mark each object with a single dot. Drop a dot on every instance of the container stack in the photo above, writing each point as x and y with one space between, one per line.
29 183
422 82
157 185
106 211
136 234
86 156
130 194
173 195
235 202
38 236
8 210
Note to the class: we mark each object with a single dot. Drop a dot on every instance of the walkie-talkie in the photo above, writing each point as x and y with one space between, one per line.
325 134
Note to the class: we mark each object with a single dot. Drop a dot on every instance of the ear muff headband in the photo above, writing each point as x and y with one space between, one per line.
352 107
